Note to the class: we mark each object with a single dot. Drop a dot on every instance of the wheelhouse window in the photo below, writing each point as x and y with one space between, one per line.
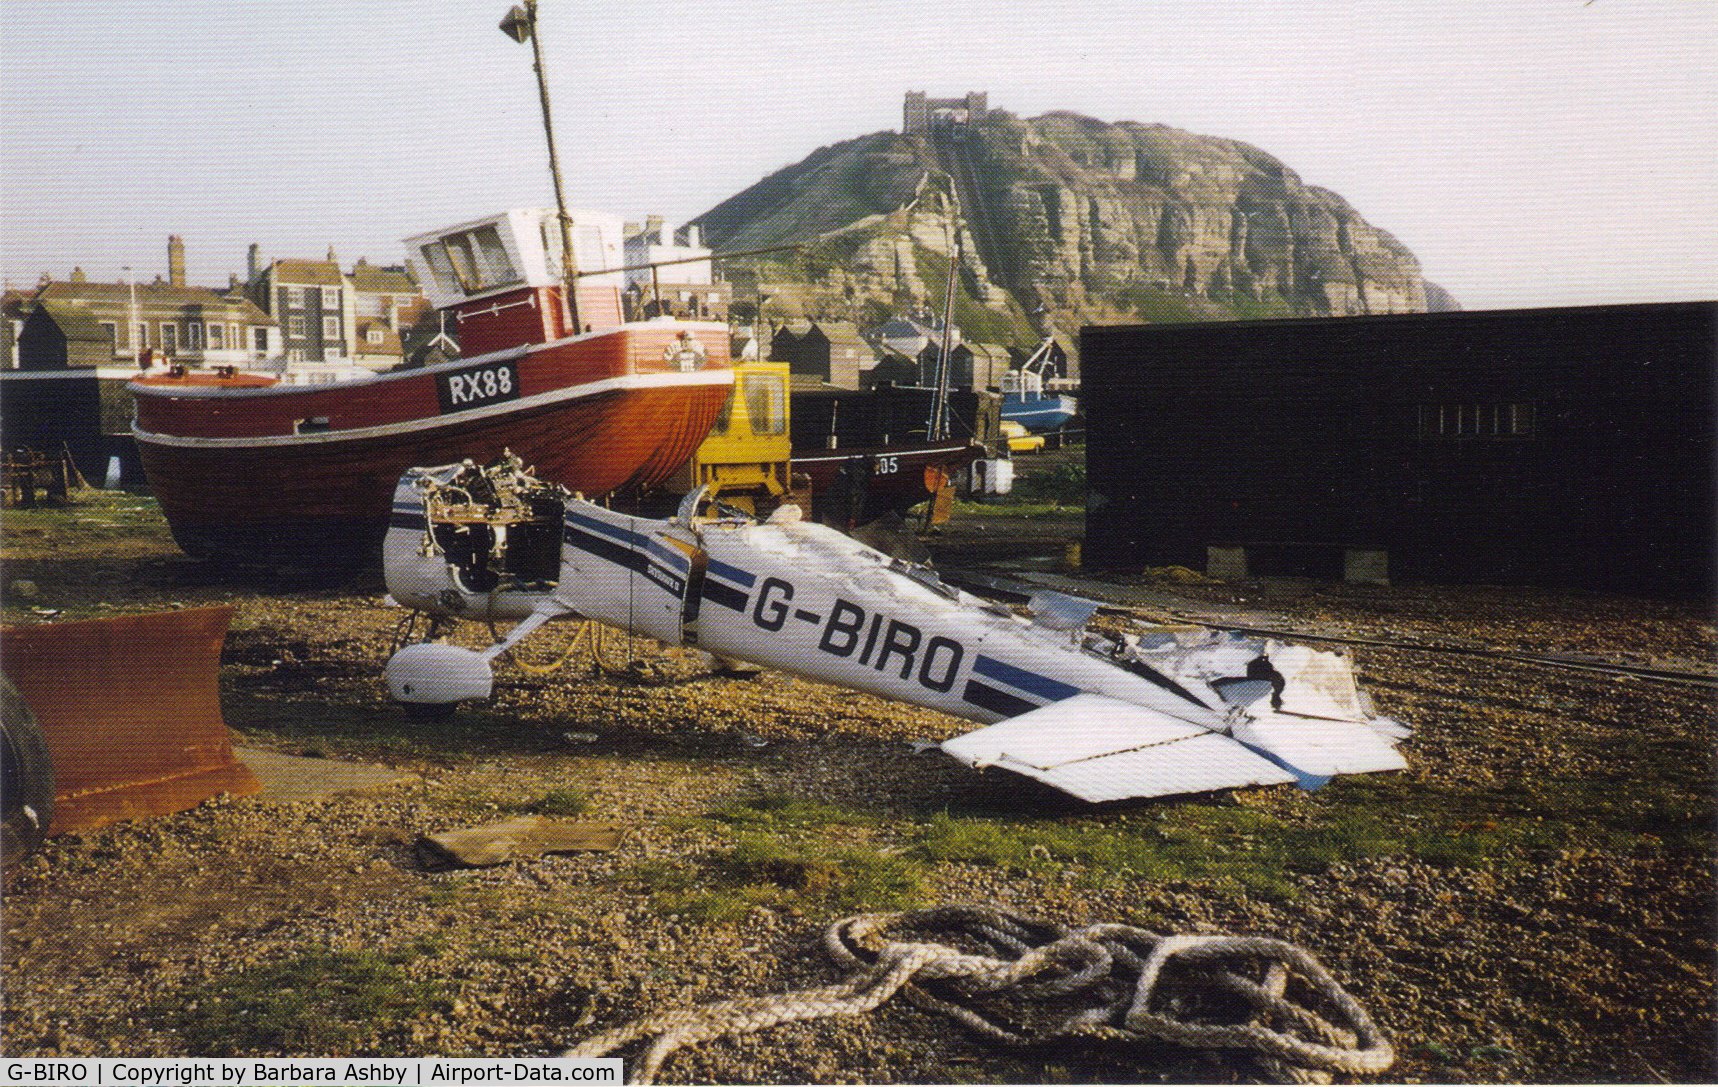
472 261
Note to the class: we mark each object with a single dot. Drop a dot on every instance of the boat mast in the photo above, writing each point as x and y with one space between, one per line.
939 402
520 24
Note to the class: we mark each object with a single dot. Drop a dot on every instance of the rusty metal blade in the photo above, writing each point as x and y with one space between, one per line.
131 710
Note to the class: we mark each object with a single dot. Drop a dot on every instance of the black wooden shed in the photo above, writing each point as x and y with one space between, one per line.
1554 446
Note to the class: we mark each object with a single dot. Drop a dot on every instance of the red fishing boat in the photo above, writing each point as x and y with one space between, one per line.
245 464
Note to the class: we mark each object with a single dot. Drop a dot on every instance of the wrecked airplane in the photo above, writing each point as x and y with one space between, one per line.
1159 712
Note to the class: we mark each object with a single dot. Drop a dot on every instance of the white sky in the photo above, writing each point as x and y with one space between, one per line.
1530 152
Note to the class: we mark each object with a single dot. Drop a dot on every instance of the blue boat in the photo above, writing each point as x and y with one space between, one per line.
1038 413
1024 399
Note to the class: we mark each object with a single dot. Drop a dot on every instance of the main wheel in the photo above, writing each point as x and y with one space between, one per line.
26 777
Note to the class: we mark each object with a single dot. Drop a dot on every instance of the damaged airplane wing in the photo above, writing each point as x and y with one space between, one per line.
1158 712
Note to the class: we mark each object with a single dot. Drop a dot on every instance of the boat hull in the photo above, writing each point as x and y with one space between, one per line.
854 486
1038 413
324 497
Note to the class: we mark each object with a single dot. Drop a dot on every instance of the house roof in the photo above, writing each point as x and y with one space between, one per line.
390 344
375 280
843 332
74 321
323 273
152 298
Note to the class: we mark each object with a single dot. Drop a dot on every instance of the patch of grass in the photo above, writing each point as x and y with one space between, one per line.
774 810
1058 486
1009 508
761 870
1230 846
318 1001
560 803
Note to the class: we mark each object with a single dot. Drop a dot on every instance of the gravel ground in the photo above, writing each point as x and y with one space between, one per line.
1556 928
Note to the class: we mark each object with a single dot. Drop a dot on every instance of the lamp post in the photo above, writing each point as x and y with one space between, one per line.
521 25
131 316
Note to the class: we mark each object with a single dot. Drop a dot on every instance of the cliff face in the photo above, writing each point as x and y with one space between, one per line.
1068 220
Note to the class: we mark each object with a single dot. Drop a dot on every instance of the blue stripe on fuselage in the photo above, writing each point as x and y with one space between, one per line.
730 573
1050 690
624 549
624 535
668 555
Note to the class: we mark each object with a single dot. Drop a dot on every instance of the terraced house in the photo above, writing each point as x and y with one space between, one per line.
326 315
81 323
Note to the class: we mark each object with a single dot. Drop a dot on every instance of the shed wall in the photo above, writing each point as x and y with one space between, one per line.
1566 446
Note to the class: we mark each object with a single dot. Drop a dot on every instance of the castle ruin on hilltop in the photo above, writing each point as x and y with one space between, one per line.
920 112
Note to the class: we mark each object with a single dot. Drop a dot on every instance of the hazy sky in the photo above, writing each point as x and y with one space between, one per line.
1530 152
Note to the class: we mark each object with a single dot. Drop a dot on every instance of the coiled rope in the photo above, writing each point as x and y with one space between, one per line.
984 968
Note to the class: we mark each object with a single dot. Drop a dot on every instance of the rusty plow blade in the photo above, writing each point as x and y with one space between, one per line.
131 712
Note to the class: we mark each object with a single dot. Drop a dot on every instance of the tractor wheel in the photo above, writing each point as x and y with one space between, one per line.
26 777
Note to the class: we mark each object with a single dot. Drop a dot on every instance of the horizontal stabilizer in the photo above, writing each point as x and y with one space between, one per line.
1099 748
1321 748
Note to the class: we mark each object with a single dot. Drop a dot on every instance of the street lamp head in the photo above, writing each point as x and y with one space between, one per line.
519 22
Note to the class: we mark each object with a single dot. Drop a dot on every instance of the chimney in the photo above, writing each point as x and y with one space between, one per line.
78 275
176 261
655 231
253 261
692 236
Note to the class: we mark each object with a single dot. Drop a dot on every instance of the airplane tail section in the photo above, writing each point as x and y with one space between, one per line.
1099 748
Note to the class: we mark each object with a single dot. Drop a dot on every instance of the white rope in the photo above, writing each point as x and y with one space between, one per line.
984 968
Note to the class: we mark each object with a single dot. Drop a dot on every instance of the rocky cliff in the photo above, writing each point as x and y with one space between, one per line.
1061 220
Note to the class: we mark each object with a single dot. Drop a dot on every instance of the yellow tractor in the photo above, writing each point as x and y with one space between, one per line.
746 460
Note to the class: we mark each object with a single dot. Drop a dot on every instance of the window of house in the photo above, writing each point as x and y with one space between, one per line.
142 337
295 297
374 336
261 340
331 327
169 337
295 326
194 336
111 330
766 403
217 337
